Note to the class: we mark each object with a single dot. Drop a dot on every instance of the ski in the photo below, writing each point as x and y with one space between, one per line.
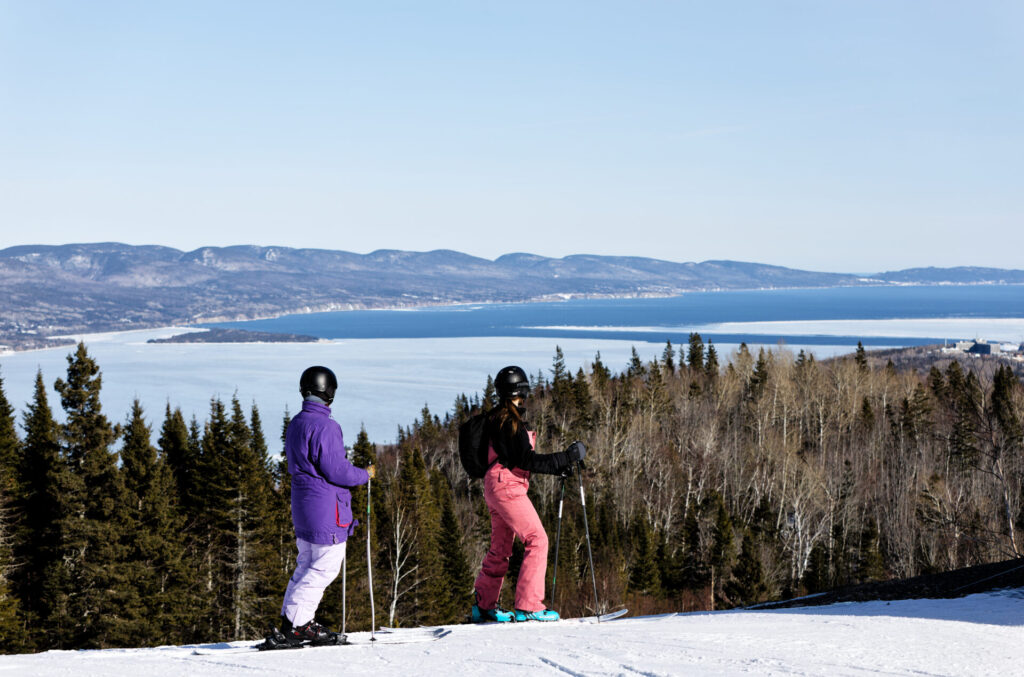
610 616
402 636
603 618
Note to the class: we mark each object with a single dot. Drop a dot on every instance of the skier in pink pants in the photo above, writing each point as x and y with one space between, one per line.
512 458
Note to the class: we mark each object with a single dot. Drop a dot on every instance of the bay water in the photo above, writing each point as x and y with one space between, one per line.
393 363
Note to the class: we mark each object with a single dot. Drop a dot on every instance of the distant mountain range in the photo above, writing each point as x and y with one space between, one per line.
51 290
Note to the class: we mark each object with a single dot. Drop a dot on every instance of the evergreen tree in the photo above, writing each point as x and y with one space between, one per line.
456 582
872 564
213 528
668 566
667 357
37 541
90 574
860 357
282 477
643 572
694 573
818 575
601 372
282 536
583 405
867 414
240 564
12 631
759 377
561 384
179 456
417 493
13 636
722 549
636 366
695 354
153 605
490 399
711 366
364 452
10 448
937 383
748 585
1004 388
254 579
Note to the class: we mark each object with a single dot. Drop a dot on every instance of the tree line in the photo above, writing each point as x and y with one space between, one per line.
707 486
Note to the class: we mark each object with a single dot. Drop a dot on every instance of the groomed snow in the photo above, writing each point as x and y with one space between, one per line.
976 635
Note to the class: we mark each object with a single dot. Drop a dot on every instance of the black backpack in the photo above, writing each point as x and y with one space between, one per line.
473 446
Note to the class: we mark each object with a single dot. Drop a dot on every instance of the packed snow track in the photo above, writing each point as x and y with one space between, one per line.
976 635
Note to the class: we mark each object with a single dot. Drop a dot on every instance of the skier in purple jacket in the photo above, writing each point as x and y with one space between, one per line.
321 509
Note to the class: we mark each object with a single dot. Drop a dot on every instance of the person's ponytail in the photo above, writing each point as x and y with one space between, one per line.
508 415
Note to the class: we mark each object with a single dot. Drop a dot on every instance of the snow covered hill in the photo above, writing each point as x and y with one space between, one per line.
977 635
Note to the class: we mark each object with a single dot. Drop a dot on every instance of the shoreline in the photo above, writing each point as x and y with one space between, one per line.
197 324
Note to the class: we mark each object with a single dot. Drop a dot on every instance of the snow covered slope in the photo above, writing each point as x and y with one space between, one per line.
977 635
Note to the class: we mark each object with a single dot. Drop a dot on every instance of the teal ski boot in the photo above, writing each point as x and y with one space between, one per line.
542 615
496 615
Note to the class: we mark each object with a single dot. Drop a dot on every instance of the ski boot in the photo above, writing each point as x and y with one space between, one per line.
280 638
314 634
542 615
495 615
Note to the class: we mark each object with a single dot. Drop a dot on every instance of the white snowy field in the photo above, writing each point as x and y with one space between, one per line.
384 382
977 635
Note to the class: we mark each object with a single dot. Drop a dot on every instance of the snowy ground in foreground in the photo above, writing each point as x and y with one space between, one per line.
977 635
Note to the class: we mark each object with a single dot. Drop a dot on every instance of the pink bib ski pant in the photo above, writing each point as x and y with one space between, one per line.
512 515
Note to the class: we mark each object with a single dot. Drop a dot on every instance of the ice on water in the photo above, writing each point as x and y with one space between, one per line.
384 382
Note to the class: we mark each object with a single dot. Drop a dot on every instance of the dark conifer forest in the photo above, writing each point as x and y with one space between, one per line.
711 482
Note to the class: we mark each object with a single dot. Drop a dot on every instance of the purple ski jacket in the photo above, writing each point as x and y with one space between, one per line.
321 476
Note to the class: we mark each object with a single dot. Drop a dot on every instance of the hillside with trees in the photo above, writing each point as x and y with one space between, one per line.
712 482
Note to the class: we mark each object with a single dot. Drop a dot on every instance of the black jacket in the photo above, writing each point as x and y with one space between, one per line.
514 450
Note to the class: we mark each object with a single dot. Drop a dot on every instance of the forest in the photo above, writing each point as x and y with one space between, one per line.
710 483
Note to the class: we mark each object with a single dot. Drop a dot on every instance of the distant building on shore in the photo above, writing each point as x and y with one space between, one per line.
983 347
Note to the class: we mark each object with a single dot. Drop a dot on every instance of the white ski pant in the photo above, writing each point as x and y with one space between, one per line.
315 567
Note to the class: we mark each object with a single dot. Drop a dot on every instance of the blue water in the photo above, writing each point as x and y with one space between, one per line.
630 317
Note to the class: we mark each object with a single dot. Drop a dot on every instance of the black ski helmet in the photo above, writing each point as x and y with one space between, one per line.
319 381
511 382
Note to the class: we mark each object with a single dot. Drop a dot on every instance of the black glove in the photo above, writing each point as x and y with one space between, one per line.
576 452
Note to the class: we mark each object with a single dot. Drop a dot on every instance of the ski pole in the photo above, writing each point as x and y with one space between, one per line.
344 593
586 528
369 564
558 536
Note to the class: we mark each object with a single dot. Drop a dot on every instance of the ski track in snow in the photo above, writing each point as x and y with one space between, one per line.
976 635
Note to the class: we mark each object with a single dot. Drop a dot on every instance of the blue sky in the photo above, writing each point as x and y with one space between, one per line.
851 136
